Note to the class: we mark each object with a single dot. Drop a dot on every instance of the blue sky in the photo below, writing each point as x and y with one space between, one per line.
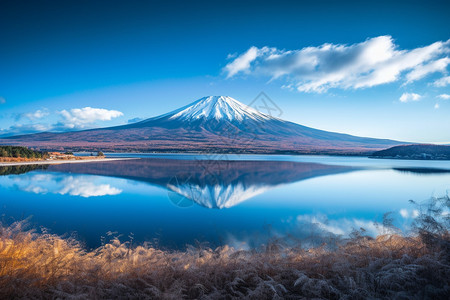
369 68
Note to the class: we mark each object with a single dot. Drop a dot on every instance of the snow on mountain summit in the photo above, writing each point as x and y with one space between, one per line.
218 108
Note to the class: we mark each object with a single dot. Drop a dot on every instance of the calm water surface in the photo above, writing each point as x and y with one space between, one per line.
244 200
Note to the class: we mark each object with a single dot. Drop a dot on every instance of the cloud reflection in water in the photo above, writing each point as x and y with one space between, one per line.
55 183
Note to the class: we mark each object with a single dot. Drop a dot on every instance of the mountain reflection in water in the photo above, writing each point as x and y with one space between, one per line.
209 183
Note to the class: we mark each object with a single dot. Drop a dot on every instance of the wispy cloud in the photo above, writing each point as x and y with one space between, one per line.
370 63
441 82
243 61
407 97
38 114
18 129
444 96
421 71
135 120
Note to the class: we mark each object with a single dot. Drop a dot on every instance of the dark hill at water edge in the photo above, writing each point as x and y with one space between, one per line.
435 152
218 124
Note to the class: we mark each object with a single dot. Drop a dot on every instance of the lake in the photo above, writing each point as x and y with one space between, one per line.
172 200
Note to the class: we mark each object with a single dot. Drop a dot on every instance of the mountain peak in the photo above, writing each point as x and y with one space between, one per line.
218 108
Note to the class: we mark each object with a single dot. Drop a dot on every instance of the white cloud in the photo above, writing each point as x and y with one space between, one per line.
80 117
436 106
316 69
35 189
444 96
73 119
242 62
444 81
37 114
79 185
407 97
82 186
25 129
421 71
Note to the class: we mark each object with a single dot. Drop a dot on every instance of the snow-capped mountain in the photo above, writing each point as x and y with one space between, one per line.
212 113
213 124
218 108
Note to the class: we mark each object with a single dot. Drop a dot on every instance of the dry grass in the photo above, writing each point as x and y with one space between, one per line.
22 159
42 265
19 159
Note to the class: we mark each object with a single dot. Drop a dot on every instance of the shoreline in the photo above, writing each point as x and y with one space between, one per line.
242 153
57 162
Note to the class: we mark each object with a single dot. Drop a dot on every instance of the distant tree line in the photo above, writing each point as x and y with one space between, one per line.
22 152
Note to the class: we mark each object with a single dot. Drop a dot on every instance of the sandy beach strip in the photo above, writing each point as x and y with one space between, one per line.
57 162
